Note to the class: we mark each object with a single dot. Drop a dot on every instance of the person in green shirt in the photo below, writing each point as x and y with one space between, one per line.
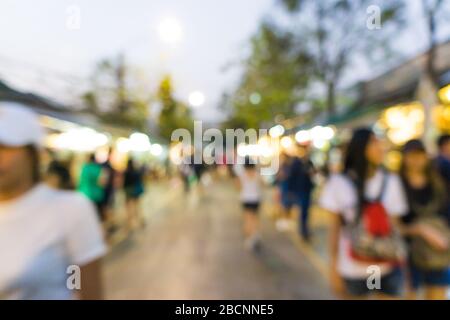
92 181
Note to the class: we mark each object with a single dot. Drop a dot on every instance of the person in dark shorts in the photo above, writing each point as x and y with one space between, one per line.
134 188
251 193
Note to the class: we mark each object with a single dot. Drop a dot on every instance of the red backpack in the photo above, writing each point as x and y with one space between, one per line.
373 238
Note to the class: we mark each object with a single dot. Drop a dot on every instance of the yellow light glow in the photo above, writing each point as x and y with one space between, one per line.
441 117
444 94
175 153
79 139
320 143
403 122
303 136
156 149
139 142
255 150
264 141
123 145
286 142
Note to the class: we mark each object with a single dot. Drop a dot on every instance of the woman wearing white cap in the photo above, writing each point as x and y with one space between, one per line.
50 240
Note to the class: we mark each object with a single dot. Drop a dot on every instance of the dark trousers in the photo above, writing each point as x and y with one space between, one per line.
304 202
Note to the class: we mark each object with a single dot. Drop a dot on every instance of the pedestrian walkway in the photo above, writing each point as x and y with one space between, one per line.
152 202
192 249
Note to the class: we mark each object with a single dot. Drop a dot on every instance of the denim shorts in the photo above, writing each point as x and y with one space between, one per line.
438 278
391 284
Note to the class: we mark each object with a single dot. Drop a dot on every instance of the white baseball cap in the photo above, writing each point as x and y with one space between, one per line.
19 126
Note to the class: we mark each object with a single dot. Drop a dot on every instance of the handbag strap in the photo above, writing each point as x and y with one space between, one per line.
383 186
360 202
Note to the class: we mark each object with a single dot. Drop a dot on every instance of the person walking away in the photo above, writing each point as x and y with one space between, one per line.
250 183
198 170
107 201
443 165
186 172
429 258
58 175
443 158
285 197
364 192
134 188
300 186
92 183
43 231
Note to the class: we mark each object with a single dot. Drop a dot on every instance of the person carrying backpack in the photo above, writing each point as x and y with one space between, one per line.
364 241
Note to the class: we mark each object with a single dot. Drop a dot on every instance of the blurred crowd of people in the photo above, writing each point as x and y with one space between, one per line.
77 212
100 182
398 222
395 224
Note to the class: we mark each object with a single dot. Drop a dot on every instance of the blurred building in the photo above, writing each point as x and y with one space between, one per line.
392 102
73 133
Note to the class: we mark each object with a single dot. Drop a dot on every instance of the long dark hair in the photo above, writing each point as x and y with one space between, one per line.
356 165
130 165
433 180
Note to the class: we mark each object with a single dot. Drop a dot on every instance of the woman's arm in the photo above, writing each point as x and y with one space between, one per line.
429 234
405 230
336 281
333 245
91 281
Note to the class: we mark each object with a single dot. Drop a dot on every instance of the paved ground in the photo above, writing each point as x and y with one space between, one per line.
192 249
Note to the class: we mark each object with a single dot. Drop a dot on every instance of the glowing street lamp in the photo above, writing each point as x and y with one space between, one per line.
196 99
444 94
170 31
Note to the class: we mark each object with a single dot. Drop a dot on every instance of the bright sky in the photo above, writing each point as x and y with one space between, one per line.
39 52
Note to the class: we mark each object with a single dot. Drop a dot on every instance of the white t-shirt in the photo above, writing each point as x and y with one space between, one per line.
250 187
41 234
339 196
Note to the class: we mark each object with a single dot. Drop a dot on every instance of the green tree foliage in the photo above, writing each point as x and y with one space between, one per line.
435 13
174 114
275 76
112 100
337 33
